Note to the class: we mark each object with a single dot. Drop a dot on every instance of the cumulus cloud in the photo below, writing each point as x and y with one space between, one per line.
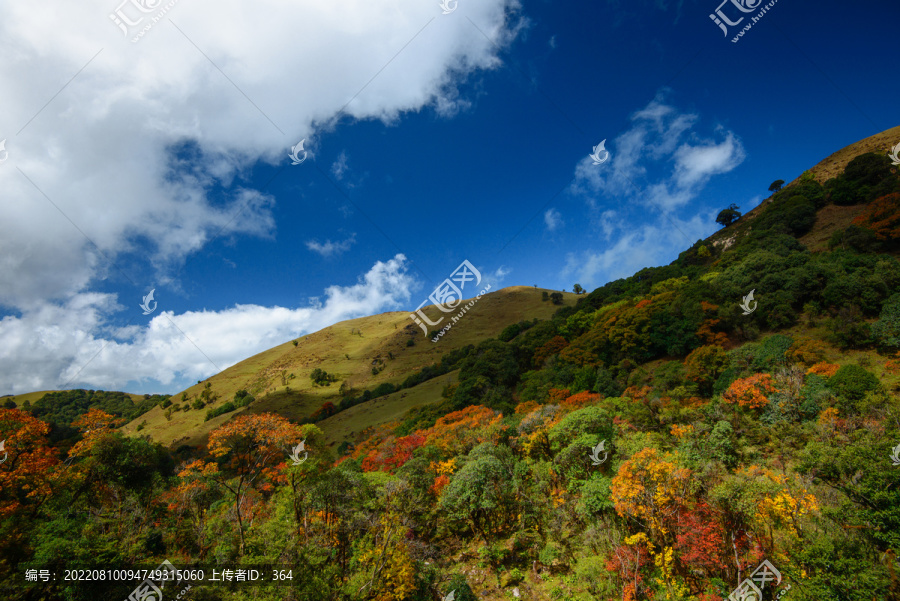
69 345
145 149
331 249
664 146
658 167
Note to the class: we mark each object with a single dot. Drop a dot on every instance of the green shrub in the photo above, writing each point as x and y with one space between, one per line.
887 329
383 389
853 382
229 406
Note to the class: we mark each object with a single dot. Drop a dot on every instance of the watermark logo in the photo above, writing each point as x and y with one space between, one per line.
600 151
745 6
739 9
595 453
295 151
895 455
448 296
151 588
449 6
146 304
3 153
751 588
3 449
450 596
746 304
300 448
895 160
140 9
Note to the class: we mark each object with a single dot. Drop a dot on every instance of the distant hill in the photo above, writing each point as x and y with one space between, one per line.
349 350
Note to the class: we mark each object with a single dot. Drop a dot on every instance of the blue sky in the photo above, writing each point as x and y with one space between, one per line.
432 138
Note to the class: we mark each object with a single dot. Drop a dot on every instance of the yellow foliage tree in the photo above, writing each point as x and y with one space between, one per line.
651 487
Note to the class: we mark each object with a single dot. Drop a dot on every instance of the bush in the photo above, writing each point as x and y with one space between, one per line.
383 389
320 377
229 406
853 382
887 329
556 298
242 398
859 239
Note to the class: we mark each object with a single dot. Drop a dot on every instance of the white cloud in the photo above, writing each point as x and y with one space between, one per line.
147 149
49 345
331 249
495 278
639 247
339 167
661 139
108 139
552 219
659 166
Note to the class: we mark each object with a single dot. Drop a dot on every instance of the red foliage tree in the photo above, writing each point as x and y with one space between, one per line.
701 541
882 216
552 347
392 453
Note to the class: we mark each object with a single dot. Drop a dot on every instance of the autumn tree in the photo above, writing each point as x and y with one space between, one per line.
550 348
882 216
704 365
457 432
386 557
651 488
246 447
28 474
392 453
750 392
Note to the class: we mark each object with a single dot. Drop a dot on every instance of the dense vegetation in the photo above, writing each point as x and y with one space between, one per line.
730 435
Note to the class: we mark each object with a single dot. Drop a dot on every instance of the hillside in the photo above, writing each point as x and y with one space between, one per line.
829 218
723 427
348 350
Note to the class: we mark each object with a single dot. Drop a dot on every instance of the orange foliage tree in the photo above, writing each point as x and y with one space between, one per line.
28 475
824 369
705 331
751 391
558 395
882 216
248 447
458 432
700 541
94 425
581 399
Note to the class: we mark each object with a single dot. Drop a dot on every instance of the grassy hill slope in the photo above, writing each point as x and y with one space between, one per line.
349 350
